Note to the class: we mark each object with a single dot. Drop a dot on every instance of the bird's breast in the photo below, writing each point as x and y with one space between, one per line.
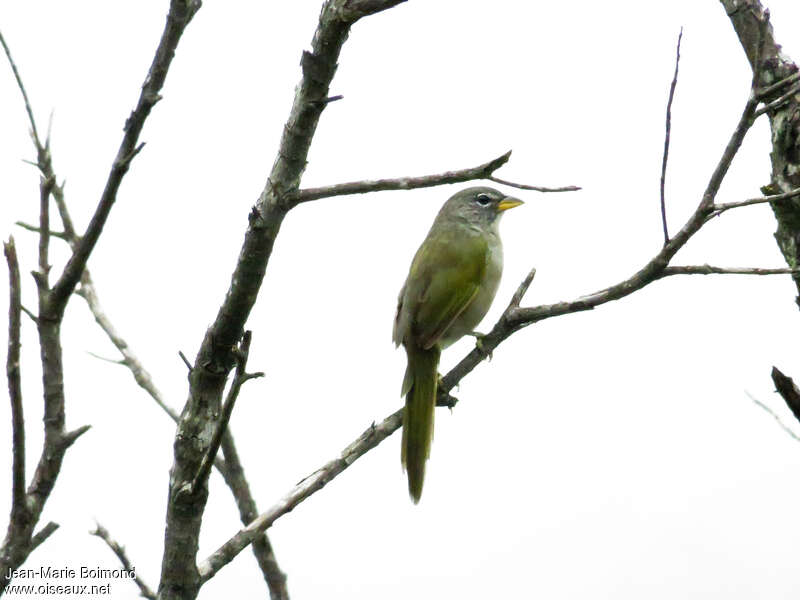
473 314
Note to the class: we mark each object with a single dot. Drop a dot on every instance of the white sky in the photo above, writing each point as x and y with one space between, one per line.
610 454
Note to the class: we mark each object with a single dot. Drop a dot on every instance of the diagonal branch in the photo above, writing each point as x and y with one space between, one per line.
214 361
373 436
119 551
230 468
180 14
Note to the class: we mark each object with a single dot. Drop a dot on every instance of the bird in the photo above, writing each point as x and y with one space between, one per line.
450 286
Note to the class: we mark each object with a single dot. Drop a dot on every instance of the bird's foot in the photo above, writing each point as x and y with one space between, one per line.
479 337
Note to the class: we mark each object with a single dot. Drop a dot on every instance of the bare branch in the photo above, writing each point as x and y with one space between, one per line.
18 509
28 227
774 72
21 87
672 87
180 578
710 270
119 551
45 187
774 415
483 171
765 92
248 510
240 377
41 536
721 208
521 290
778 102
230 468
180 14
535 188
373 436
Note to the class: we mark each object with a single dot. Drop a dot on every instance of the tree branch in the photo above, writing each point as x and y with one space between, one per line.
45 187
534 188
774 415
41 536
119 551
774 72
373 436
18 509
725 206
230 468
672 87
214 361
28 109
180 14
239 379
710 270
483 171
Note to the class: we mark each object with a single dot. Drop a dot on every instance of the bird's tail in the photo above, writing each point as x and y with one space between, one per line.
419 387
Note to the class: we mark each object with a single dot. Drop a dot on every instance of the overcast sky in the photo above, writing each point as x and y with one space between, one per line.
608 454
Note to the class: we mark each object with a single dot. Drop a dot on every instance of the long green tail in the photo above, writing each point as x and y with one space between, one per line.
419 386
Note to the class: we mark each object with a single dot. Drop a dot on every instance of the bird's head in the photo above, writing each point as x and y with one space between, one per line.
478 206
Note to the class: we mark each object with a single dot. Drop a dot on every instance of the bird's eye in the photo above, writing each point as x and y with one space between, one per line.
483 200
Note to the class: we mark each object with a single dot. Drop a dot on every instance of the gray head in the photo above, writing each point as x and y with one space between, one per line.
477 206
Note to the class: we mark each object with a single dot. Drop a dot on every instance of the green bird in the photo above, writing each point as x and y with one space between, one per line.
449 289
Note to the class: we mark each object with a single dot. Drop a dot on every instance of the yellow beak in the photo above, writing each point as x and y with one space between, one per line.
507 203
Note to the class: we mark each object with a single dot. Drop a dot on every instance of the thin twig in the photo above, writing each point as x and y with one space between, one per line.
778 102
711 270
535 188
240 377
672 87
722 207
778 85
18 509
27 226
774 415
516 299
185 360
482 171
119 551
21 87
30 314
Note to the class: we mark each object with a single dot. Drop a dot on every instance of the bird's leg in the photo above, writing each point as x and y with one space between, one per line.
479 337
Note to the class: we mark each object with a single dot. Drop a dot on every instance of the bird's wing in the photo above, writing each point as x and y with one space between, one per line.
445 277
